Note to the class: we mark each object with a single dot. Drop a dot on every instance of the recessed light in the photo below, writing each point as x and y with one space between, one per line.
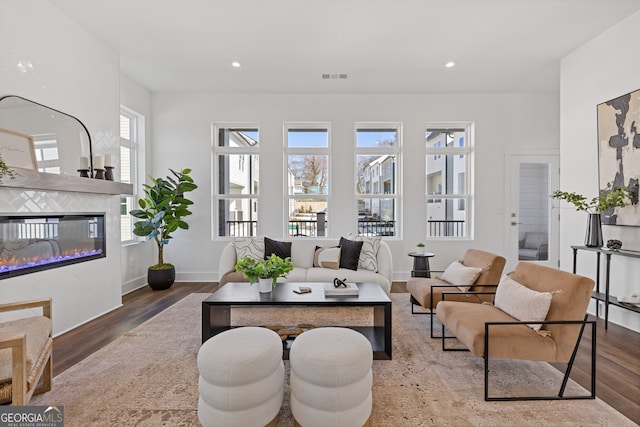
235 64
450 64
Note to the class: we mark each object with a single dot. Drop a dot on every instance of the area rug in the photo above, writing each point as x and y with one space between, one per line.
148 377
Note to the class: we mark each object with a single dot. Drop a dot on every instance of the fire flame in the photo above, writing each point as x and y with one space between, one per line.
47 257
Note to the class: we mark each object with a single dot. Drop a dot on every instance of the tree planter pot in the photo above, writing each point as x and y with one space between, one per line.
593 237
161 279
265 285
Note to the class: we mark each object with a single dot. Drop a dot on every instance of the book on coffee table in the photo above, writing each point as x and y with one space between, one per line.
331 291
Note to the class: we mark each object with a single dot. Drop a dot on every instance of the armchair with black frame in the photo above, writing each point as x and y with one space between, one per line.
539 314
474 280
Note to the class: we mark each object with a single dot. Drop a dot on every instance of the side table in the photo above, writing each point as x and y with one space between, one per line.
421 264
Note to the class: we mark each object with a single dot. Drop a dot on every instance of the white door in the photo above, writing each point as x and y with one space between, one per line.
533 222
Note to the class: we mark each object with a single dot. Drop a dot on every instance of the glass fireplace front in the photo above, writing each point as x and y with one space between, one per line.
36 242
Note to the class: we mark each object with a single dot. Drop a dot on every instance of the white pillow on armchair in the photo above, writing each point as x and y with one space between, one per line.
461 276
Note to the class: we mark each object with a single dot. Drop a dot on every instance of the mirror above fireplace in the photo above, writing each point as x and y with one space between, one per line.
59 139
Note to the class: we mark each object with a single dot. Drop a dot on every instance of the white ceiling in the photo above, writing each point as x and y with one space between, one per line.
383 45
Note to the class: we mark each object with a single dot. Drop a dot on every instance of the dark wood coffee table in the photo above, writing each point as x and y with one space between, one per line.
216 309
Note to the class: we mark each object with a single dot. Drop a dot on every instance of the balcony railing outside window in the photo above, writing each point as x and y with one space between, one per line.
446 228
309 228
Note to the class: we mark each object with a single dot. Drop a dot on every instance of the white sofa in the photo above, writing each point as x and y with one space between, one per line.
302 252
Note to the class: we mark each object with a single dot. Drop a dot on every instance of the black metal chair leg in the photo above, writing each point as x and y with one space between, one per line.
560 395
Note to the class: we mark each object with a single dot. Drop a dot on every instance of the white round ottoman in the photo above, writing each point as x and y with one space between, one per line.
241 378
331 378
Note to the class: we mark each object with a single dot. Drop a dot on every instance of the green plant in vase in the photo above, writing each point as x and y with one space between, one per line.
270 268
606 201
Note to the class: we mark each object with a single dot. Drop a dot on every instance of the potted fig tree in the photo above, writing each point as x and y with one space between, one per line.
161 213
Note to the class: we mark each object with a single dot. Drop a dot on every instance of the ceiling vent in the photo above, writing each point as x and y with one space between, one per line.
336 76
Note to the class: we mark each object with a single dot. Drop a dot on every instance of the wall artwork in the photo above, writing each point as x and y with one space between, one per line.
619 154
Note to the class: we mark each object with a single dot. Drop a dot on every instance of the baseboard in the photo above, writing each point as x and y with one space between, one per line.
134 284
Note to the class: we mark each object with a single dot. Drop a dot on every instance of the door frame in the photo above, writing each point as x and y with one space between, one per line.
511 188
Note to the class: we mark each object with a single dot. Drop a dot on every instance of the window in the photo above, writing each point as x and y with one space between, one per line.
448 182
46 149
377 169
131 139
307 180
236 182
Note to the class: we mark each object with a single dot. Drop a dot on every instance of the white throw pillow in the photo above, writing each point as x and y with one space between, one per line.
461 276
252 247
369 254
327 257
521 302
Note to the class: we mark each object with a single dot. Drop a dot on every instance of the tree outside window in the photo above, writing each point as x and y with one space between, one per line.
308 186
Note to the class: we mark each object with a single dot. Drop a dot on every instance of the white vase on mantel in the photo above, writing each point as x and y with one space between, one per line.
265 285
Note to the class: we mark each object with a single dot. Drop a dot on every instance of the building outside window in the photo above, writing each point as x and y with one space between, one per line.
131 138
236 180
307 153
377 168
448 181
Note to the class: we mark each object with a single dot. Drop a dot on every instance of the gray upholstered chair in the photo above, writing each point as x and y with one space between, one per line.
533 246
25 353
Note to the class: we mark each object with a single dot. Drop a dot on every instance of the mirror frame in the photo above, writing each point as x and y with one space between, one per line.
65 114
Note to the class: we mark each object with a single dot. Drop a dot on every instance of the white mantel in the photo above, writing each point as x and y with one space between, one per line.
52 182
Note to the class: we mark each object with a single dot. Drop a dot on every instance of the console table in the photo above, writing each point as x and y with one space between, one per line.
605 297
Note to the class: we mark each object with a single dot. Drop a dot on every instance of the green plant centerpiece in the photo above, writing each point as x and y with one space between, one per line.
270 268
161 213
606 201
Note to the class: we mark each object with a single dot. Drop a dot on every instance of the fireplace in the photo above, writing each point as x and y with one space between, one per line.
36 242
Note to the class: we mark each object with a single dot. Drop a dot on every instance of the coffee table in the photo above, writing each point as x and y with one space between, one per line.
216 309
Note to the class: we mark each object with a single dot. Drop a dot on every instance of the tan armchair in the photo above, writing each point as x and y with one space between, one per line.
489 332
25 353
427 292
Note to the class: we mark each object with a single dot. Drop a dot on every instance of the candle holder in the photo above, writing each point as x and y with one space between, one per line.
99 174
108 173
84 173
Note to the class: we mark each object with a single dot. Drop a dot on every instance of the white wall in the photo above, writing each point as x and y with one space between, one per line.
182 138
74 73
602 69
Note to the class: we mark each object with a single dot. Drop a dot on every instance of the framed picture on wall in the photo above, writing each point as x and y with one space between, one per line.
17 150
619 153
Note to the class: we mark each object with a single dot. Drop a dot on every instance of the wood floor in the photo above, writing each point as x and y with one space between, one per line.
618 349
